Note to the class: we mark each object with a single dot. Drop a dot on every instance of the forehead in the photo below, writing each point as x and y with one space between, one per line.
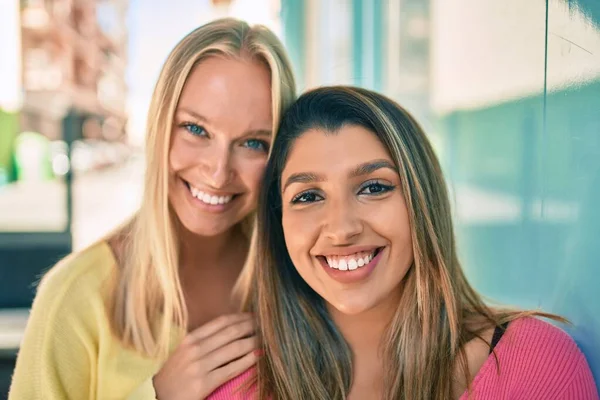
220 88
325 152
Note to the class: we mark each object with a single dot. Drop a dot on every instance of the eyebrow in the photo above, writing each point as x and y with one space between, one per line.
260 132
253 132
360 170
372 166
191 113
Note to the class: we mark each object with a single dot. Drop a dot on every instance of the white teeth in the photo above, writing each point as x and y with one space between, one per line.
209 199
332 263
350 263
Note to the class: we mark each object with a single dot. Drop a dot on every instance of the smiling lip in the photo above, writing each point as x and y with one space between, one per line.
356 275
224 201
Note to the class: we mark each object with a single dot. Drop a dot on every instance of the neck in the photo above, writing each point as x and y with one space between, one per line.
205 253
364 331
208 270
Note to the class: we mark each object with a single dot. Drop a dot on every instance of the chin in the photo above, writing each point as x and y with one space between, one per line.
207 230
206 224
351 307
207 227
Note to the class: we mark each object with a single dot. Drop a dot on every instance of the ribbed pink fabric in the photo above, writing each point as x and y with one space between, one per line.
233 390
538 361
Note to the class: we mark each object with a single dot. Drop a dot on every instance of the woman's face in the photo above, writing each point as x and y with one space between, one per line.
345 221
221 136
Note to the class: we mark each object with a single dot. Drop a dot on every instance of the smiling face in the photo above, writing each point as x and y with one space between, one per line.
344 218
220 141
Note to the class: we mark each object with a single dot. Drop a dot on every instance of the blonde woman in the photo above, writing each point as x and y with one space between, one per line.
148 311
358 288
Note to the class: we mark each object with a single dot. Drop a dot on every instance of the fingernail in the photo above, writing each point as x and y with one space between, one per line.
259 352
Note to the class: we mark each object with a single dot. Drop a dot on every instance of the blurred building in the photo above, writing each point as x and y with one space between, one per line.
74 56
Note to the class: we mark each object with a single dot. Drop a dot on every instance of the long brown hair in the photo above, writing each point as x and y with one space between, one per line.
306 356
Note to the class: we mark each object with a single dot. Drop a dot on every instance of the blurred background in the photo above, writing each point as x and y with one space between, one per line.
508 91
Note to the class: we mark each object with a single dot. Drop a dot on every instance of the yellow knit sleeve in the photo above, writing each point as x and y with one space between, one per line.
58 355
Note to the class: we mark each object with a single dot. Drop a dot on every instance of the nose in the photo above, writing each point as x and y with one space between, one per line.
342 222
217 168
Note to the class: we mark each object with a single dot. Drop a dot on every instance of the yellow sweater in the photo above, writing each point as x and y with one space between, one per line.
69 350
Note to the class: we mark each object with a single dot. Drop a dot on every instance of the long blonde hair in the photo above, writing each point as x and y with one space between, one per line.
306 357
149 306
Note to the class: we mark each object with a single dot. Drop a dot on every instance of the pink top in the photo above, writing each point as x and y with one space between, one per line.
233 390
538 361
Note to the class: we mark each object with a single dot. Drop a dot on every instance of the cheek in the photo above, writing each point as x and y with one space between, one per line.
394 225
182 156
300 236
389 219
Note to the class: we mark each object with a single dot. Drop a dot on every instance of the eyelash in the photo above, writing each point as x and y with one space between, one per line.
188 126
264 145
385 189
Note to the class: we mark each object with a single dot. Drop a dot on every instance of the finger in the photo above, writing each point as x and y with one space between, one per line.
217 324
230 353
229 371
224 337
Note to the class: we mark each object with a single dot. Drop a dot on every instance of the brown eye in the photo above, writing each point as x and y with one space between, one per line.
375 188
306 197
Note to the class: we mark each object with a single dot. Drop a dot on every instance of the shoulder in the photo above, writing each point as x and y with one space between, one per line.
76 284
82 272
539 340
67 319
535 354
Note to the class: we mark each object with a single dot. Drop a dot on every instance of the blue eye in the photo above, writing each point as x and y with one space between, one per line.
306 197
375 188
194 129
256 144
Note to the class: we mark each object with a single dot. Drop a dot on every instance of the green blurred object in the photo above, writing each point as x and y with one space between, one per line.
3 176
293 17
33 157
367 41
9 126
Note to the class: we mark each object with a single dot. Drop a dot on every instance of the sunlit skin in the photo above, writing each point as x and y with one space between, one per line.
220 138
331 208
221 134
341 194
